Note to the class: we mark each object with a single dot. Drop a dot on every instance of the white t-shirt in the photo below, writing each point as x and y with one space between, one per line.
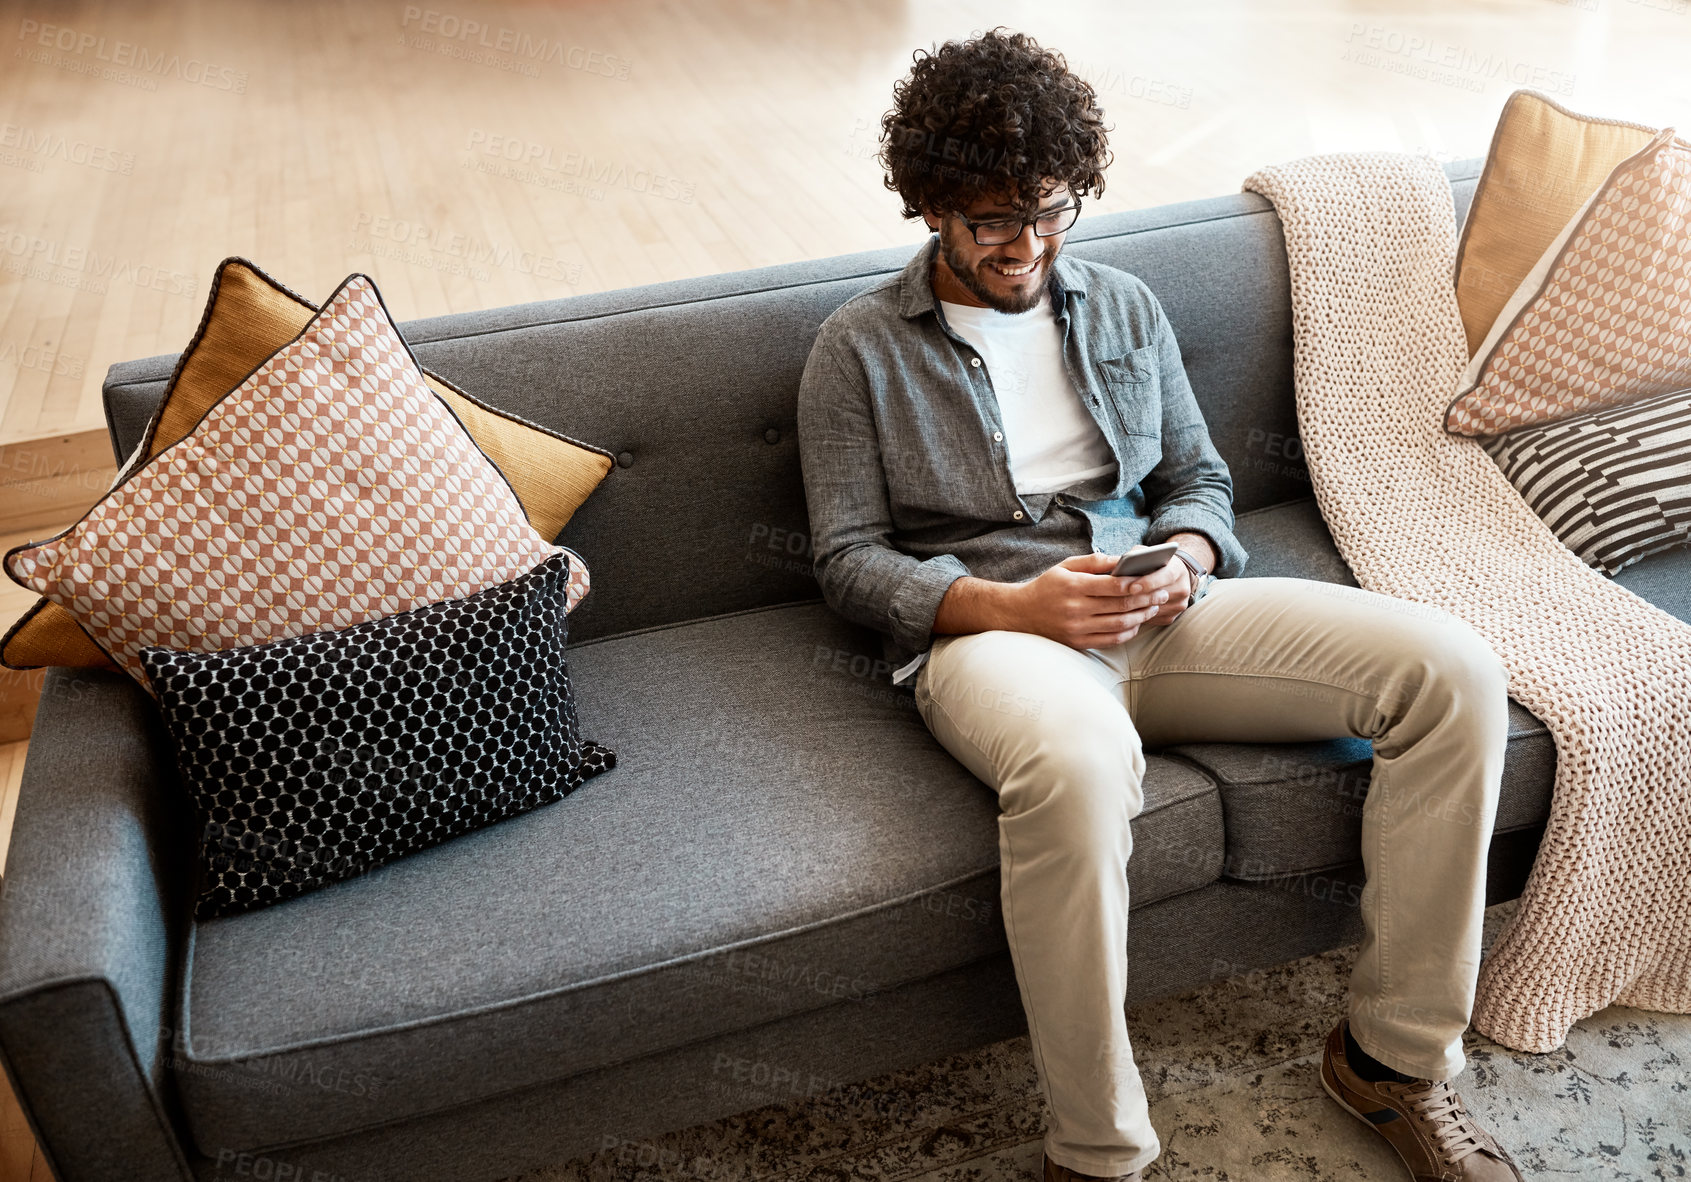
1052 440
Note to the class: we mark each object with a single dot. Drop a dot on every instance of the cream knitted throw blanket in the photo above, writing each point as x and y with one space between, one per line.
1426 516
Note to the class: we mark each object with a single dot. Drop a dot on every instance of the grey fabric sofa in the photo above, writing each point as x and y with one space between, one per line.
785 885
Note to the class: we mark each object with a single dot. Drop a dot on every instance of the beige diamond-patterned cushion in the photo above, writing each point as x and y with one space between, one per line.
1605 317
248 316
329 488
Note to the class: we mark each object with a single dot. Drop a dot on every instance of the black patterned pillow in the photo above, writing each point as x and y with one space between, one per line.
1614 485
317 758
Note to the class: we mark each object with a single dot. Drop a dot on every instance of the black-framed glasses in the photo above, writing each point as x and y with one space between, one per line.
1046 223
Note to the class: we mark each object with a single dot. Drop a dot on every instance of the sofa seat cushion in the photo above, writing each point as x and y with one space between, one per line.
1296 808
781 833
1664 579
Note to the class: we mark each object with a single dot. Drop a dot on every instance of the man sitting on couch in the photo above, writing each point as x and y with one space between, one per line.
982 437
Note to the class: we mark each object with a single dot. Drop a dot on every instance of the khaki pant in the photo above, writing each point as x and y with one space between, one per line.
1257 660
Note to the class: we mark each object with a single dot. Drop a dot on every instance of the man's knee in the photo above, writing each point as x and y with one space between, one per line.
1466 661
1056 740
1465 685
1084 768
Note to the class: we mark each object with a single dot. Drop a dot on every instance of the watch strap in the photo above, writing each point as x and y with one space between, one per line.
1201 578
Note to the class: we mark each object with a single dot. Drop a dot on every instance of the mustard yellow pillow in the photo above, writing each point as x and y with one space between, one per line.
47 634
248 317
1544 162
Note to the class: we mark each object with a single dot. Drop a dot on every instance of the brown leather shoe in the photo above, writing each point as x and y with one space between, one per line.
1057 1173
1425 1121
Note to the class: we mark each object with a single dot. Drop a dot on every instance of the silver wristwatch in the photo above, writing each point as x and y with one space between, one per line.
1202 580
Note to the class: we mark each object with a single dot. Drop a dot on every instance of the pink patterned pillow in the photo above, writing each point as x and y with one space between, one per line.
330 487
1604 318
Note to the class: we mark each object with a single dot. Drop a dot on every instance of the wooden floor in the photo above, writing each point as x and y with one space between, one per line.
20 1160
473 155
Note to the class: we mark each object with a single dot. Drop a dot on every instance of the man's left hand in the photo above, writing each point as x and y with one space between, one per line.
1175 578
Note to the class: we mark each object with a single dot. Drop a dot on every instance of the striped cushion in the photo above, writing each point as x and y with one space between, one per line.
1615 484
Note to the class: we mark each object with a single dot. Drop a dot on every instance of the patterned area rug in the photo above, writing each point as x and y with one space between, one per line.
1231 1072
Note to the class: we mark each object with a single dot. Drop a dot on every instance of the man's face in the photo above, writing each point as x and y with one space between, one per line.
1010 277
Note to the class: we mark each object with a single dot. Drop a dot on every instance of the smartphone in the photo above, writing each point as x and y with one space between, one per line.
1143 562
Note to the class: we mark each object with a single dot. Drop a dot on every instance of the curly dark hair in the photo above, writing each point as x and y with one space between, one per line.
994 115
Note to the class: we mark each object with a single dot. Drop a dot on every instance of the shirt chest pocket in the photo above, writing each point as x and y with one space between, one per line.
1134 397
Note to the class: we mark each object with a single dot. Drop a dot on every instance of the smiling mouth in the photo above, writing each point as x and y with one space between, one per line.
1015 272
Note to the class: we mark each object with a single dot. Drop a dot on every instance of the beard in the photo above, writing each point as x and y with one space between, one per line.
952 249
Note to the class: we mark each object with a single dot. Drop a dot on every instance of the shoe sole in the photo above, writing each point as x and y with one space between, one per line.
1332 1090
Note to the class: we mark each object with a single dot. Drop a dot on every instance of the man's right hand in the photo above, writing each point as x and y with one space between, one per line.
1081 604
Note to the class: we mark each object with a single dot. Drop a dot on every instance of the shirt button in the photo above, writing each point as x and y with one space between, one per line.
998 435
975 361
1017 514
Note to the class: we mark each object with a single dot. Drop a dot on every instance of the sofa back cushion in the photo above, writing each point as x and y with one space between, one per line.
694 384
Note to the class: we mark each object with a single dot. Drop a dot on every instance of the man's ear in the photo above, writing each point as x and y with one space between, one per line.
930 217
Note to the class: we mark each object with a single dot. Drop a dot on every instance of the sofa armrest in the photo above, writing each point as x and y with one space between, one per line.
92 911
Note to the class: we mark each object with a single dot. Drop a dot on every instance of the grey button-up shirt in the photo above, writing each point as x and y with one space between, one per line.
907 472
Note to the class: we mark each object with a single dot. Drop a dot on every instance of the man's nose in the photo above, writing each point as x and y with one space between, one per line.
1026 246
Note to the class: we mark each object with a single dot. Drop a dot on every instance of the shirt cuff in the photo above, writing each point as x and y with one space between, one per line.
908 671
916 602
1230 556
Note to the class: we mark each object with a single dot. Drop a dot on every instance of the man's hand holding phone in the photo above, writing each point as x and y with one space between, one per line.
1082 602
